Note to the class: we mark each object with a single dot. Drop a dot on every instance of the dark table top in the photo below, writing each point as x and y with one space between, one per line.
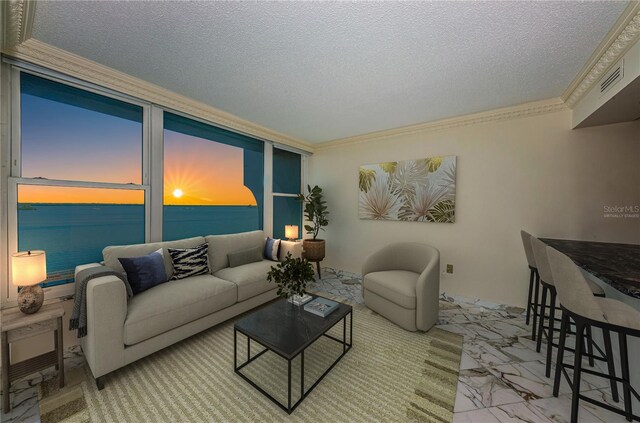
616 264
288 329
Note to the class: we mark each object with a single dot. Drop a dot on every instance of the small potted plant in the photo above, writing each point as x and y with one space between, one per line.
315 211
292 275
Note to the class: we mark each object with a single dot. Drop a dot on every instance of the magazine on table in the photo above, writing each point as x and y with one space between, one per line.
321 306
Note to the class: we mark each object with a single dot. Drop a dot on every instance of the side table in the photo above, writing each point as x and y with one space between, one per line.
17 325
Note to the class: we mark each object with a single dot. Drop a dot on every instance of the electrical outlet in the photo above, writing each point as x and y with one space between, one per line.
450 268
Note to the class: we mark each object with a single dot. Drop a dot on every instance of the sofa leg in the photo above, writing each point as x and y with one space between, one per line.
100 383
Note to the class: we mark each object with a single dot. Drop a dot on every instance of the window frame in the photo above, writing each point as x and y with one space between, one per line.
9 295
303 164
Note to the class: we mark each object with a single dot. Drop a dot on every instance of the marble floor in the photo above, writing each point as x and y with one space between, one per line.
501 375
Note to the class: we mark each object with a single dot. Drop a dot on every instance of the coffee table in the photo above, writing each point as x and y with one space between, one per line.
288 330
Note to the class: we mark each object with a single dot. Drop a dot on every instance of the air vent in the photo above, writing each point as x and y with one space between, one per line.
614 75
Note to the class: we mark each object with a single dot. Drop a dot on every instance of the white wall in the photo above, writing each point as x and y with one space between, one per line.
533 173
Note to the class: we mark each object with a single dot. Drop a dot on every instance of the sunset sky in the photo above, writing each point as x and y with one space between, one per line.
61 141
208 173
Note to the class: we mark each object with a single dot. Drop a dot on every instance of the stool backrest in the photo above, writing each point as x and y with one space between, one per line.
540 253
526 242
573 290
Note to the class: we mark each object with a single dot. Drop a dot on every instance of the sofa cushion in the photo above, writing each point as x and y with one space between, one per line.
175 303
251 278
221 245
397 286
246 256
113 253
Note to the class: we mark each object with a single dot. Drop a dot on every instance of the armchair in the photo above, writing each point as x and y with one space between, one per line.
402 283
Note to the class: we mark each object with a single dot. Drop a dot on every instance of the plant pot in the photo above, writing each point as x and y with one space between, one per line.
313 249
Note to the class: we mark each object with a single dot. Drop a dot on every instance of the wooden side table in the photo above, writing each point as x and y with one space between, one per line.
17 325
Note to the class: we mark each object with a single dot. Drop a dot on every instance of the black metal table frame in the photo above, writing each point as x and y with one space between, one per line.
346 346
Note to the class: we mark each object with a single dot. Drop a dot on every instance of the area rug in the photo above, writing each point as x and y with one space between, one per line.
389 375
67 404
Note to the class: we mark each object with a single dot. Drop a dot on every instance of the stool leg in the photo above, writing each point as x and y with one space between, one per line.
530 295
610 364
552 324
560 357
543 305
589 341
624 363
577 369
536 304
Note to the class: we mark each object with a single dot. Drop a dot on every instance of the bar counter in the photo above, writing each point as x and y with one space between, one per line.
618 265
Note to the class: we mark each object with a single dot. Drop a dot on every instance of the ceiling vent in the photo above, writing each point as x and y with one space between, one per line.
610 78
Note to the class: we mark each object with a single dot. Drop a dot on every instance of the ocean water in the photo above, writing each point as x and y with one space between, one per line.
73 234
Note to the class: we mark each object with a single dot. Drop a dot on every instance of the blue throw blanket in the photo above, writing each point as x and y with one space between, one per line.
79 314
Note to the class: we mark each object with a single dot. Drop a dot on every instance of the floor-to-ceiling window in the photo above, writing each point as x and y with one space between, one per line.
213 180
78 174
287 209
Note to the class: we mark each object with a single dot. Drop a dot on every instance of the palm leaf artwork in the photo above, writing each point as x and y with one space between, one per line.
389 167
366 178
448 173
427 197
433 163
443 212
379 202
420 190
408 175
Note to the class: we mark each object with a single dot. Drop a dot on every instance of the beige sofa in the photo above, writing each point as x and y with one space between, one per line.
121 331
402 283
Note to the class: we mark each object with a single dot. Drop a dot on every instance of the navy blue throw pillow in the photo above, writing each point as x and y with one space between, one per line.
144 272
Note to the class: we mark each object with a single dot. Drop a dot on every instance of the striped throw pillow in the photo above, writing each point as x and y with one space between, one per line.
189 261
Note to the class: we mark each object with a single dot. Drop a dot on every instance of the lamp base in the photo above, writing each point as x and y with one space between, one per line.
30 299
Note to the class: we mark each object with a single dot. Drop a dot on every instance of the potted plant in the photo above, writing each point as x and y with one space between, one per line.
315 211
291 275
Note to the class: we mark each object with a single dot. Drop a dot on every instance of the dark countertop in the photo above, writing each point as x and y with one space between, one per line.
616 264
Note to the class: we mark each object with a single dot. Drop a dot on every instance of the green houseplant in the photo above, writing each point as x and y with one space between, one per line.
291 275
315 211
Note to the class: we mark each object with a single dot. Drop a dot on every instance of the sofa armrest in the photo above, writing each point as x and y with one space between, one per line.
295 248
103 346
428 294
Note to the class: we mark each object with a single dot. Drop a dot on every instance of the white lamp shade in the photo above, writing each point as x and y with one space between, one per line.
28 268
291 231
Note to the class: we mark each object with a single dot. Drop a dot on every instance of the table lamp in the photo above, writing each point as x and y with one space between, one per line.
291 232
28 269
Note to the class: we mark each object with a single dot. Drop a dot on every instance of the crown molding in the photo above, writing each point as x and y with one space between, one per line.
62 61
505 113
622 36
17 20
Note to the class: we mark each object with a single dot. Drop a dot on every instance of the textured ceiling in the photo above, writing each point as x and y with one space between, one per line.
320 71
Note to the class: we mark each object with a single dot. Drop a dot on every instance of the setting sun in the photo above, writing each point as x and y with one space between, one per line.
177 193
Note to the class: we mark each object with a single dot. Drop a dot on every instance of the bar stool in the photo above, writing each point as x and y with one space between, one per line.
534 282
577 303
548 288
